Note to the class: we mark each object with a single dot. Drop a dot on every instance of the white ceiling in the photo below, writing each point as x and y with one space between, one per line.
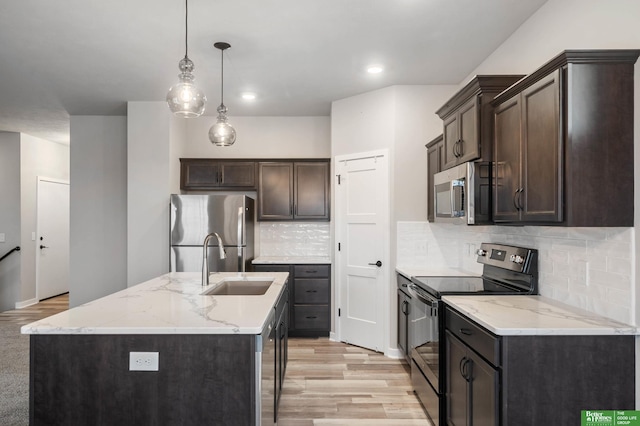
88 57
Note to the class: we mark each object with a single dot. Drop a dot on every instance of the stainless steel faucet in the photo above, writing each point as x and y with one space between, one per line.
205 256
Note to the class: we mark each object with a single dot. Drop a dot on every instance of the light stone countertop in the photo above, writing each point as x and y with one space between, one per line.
170 304
534 316
274 260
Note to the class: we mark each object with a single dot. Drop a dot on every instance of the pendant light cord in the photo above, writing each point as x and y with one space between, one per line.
222 77
186 28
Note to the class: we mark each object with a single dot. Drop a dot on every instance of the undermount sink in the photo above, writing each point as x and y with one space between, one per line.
254 287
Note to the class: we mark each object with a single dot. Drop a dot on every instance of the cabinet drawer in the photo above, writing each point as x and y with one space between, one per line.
267 267
311 317
478 339
312 291
311 271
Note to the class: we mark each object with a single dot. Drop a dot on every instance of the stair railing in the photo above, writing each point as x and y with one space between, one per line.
9 252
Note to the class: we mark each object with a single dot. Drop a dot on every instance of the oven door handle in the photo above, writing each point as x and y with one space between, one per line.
431 302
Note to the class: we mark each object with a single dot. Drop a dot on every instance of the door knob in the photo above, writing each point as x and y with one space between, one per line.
378 264
42 247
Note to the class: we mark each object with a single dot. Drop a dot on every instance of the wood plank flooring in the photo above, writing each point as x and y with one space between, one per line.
327 383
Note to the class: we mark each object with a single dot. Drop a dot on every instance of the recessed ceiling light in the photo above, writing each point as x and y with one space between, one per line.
248 96
375 69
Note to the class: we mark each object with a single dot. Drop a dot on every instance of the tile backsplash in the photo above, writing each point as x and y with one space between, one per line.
590 268
295 239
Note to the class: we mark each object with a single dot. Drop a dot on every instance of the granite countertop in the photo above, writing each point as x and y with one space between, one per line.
264 260
426 271
170 304
534 315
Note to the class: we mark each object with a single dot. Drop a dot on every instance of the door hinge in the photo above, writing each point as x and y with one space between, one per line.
339 311
339 246
338 179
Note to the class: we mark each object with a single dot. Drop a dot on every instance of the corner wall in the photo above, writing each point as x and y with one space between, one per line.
38 157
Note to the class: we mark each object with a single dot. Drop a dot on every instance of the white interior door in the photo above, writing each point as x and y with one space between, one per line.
52 240
362 233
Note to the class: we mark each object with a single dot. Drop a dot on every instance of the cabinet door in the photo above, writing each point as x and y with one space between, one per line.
468 147
403 322
506 166
198 174
451 137
238 174
483 392
542 151
457 396
434 165
275 191
311 191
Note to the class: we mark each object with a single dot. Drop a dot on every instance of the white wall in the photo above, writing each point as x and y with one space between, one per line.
149 171
98 228
262 137
38 157
9 219
402 120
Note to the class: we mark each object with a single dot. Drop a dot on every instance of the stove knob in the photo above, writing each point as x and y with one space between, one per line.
481 252
518 259
512 258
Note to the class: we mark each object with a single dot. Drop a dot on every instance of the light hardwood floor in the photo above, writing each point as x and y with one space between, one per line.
326 383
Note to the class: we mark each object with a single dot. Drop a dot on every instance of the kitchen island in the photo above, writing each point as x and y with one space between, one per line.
160 352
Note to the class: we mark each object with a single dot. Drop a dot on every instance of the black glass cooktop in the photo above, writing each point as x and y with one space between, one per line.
438 286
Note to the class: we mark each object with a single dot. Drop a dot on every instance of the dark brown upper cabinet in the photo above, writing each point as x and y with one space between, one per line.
467 116
435 159
293 190
212 174
563 148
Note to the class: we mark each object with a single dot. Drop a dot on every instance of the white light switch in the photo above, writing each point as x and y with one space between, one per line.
2 238
33 236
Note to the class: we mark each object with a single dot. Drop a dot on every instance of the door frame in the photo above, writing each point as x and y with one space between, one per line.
51 180
385 297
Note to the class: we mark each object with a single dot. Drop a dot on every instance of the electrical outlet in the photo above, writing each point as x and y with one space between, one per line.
144 361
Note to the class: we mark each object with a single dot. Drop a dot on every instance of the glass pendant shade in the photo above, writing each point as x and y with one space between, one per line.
185 99
222 133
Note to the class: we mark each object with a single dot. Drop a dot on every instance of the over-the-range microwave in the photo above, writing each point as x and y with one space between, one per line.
462 194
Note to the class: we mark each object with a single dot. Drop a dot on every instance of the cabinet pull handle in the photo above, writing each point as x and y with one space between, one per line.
460 148
520 206
516 199
314 317
311 272
462 365
455 149
466 331
405 305
312 291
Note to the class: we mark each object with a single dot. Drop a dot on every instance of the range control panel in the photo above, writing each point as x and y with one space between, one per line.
518 259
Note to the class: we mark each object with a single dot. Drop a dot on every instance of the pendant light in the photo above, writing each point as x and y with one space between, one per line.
185 99
222 133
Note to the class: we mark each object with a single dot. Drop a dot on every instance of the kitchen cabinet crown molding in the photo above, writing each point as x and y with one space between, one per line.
477 85
591 56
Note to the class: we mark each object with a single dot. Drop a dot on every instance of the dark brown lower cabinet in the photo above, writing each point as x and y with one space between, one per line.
533 380
309 297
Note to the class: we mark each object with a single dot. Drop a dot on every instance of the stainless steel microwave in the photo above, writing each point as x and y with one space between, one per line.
462 194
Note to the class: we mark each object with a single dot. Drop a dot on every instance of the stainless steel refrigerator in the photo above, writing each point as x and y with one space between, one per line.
193 217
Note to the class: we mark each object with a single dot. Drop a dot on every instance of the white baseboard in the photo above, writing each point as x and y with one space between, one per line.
333 337
394 353
20 305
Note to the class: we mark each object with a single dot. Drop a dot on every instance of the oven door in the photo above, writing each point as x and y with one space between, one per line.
424 339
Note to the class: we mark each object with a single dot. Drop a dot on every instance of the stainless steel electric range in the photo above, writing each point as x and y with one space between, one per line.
507 270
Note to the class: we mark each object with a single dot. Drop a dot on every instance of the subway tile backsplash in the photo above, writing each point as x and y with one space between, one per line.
590 268
295 239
